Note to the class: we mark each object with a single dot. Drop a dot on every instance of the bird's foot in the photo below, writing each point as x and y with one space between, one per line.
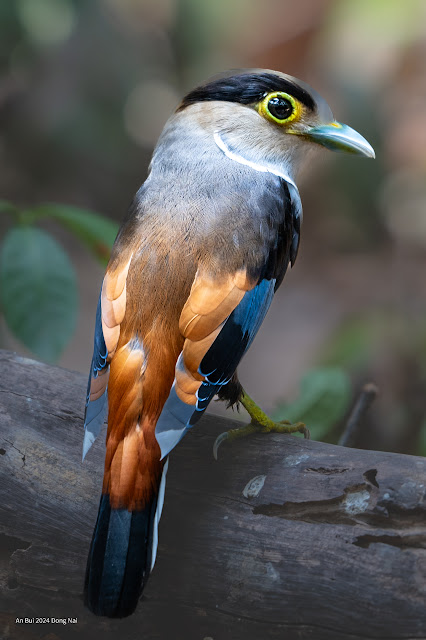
260 423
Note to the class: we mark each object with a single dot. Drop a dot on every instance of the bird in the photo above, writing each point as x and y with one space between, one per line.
205 245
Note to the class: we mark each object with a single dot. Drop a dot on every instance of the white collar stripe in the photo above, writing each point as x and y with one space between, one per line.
253 165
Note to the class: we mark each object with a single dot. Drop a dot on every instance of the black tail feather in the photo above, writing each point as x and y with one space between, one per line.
119 559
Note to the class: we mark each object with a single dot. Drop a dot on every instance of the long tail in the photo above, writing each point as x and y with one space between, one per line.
122 554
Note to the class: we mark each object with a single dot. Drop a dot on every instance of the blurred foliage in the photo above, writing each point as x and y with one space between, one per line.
38 285
97 232
348 360
85 89
323 401
38 291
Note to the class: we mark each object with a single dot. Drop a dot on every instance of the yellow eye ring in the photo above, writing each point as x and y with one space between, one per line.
293 107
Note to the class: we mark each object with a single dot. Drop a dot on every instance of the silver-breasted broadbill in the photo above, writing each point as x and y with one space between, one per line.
193 271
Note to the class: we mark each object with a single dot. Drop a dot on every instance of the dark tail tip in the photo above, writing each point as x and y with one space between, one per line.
119 560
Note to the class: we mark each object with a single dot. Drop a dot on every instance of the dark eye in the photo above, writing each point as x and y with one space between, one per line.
280 108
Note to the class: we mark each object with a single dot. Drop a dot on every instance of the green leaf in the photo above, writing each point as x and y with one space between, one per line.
38 291
8 207
324 398
96 231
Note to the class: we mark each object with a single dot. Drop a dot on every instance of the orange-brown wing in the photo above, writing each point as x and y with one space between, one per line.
218 322
132 462
140 348
132 458
110 313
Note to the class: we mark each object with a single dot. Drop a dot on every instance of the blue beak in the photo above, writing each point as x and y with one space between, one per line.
340 137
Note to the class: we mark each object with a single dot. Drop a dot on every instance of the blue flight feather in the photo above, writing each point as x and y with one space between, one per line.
95 410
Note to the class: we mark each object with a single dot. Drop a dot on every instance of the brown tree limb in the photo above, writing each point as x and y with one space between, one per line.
281 538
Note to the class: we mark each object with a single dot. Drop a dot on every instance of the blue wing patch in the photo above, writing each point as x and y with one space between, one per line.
218 365
95 410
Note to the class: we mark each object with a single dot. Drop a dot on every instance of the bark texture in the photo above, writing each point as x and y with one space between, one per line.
281 538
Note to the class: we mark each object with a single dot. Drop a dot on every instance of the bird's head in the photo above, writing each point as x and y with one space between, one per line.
269 119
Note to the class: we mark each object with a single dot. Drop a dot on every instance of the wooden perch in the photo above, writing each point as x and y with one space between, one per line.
281 538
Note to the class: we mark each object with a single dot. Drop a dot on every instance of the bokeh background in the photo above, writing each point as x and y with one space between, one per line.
85 89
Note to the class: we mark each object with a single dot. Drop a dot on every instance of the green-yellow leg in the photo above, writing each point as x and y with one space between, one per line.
260 423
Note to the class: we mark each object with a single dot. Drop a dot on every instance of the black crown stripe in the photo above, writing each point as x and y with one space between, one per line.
246 88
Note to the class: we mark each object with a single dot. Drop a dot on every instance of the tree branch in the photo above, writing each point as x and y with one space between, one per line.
281 538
